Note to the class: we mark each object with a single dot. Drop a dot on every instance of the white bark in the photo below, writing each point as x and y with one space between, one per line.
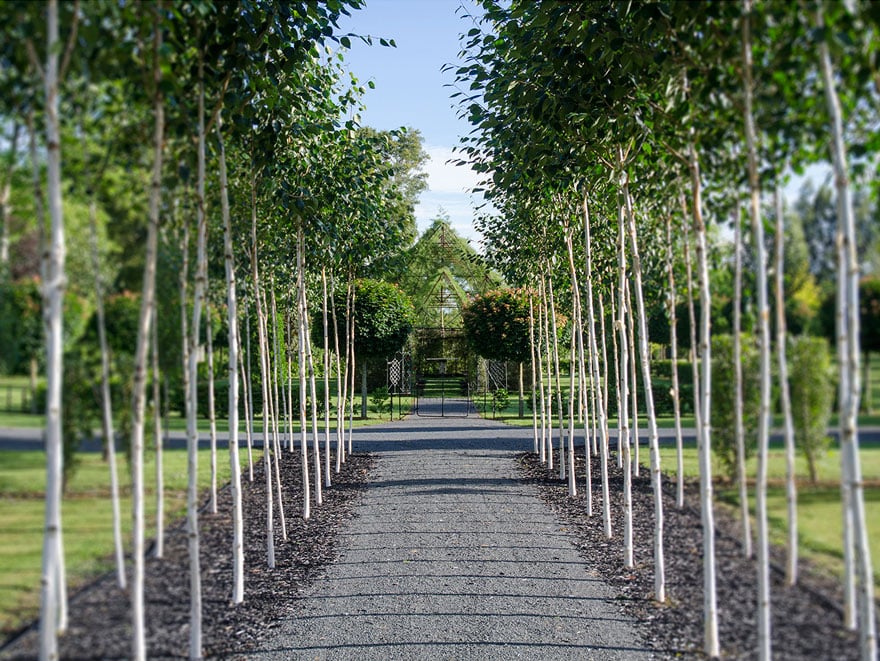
106 401
623 438
272 369
555 334
710 599
673 343
234 346
301 366
326 322
247 381
633 379
341 380
157 440
192 431
653 434
739 430
310 366
763 321
264 380
848 358
534 361
212 410
140 358
51 587
785 397
594 354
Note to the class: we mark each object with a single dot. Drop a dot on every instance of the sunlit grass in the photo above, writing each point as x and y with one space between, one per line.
86 516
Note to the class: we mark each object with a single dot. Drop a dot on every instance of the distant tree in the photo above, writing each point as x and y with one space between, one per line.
496 325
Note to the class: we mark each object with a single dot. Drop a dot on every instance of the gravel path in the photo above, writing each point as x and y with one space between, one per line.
452 556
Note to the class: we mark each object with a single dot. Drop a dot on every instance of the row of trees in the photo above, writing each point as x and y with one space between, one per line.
619 143
211 156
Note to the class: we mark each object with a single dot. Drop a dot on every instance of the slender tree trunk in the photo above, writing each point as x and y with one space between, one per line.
157 439
653 434
310 366
555 365
234 347
623 438
739 430
764 619
785 396
326 321
212 409
51 585
301 357
247 381
341 380
272 370
192 432
604 374
106 401
673 342
141 349
633 379
264 380
710 599
848 356
594 353
577 354
534 361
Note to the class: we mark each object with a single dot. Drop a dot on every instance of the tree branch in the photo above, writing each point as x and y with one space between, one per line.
71 41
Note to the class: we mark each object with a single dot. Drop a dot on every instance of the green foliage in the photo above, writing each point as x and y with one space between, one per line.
380 404
383 319
811 379
496 325
501 398
21 330
724 400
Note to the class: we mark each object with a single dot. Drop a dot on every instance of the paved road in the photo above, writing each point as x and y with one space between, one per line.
450 556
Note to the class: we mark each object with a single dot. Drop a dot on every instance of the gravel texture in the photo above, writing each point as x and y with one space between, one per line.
807 621
453 556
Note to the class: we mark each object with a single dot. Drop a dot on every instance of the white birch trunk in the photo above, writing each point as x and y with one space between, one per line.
212 409
653 434
763 320
534 361
554 333
341 380
234 346
326 321
264 380
157 439
272 369
301 357
739 430
310 366
633 391
248 395
594 354
51 586
848 357
140 359
673 342
711 644
602 378
106 401
623 438
791 563
192 432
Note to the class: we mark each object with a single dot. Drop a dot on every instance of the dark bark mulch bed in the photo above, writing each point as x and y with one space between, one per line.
807 619
100 626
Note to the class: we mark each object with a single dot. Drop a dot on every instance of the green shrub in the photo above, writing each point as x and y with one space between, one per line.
379 402
723 399
811 379
501 398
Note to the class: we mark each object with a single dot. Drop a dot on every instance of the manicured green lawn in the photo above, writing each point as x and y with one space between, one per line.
819 509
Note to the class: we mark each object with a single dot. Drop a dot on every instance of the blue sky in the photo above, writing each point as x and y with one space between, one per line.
411 90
